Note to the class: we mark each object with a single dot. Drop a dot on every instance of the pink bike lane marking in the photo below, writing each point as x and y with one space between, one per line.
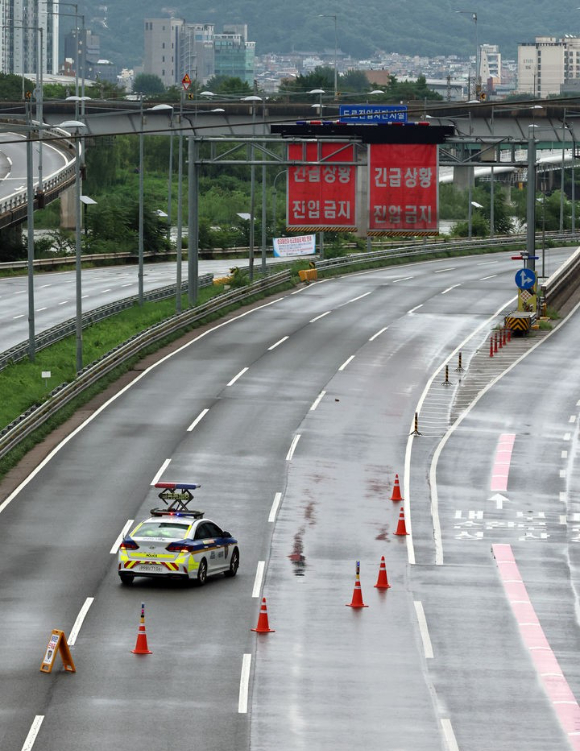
555 684
502 461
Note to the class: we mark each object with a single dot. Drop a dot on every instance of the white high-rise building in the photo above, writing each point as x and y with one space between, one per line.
29 36
490 63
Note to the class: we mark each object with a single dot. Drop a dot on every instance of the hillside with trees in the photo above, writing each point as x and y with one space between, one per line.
411 27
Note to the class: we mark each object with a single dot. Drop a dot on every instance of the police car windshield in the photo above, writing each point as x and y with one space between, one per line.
167 530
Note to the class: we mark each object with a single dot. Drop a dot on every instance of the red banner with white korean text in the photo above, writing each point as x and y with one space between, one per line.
403 189
321 197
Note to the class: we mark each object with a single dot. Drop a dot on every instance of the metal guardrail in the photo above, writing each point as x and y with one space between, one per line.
66 328
36 416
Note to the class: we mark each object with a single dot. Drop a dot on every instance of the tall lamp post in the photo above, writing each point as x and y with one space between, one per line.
75 126
477 83
254 100
330 15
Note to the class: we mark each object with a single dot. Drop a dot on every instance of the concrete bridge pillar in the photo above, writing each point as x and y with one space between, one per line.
463 177
67 208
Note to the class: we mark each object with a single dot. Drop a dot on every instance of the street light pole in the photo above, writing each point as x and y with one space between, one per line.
531 202
477 82
325 15
141 218
76 125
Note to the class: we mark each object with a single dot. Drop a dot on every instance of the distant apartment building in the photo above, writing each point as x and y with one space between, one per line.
174 47
548 65
162 49
29 36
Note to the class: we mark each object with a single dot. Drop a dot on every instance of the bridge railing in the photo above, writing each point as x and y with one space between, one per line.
63 175
558 288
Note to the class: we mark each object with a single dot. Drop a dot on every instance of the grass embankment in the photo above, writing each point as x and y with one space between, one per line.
22 385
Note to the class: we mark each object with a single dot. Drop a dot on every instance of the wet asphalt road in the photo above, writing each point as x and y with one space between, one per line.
329 677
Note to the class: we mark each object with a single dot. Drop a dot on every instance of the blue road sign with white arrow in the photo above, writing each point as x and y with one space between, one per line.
525 278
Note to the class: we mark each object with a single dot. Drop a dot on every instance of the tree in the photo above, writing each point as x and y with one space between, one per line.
229 85
11 87
322 77
148 84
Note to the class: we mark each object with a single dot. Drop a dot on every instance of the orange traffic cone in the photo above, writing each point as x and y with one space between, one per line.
397 490
401 527
141 647
382 581
263 626
357 600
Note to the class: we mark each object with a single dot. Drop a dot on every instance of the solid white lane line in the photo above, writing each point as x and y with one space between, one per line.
317 401
198 419
115 549
72 637
33 732
432 471
442 271
445 291
274 509
346 362
562 473
449 735
283 339
292 448
410 312
360 297
161 471
320 316
235 378
258 580
483 278
374 336
244 684
428 649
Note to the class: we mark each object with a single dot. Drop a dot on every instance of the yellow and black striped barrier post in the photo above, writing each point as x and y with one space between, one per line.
416 430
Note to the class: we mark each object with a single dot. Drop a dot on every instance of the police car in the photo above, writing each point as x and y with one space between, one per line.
177 542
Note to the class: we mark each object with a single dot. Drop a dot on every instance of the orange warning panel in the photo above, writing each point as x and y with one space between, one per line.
57 644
